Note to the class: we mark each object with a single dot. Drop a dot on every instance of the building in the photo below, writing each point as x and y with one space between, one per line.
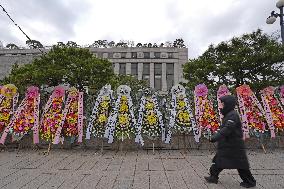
161 67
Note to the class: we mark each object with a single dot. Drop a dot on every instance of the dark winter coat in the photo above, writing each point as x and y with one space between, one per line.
231 153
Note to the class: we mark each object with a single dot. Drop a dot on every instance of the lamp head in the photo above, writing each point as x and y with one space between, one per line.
270 20
280 4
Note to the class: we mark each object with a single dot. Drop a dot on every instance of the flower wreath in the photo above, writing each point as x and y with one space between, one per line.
122 122
181 118
26 117
150 119
204 111
273 111
8 101
222 91
281 91
252 113
72 118
101 110
52 114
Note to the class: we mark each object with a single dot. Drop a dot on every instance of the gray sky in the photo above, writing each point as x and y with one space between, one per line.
199 23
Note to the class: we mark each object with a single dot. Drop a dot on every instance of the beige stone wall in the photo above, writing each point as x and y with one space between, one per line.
117 55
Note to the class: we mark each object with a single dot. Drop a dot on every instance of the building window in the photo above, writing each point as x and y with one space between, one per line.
99 54
170 75
158 76
110 55
105 55
116 55
122 68
157 55
134 55
170 55
123 55
146 55
134 69
146 73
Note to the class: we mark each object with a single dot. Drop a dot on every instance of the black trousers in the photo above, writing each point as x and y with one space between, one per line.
245 174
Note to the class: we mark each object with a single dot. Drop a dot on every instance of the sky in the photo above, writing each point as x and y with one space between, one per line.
199 22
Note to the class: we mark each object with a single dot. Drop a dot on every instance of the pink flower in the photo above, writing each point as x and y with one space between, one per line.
273 102
32 92
223 91
201 90
58 91
244 90
282 90
269 91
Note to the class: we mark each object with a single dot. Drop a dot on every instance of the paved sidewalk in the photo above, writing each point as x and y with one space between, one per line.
129 169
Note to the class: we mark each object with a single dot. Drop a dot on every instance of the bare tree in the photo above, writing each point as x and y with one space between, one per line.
168 44
72 44
34 44
139 45
179 43
111 44
12 46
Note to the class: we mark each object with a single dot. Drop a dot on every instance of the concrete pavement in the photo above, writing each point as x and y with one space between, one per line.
166 169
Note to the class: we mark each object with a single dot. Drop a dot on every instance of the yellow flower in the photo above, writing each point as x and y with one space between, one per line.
32 120
123 108
149 106
102 118
123 119
152 119
9 90
181 104
4 116
104 104
6 103
183 116
124 98
73 91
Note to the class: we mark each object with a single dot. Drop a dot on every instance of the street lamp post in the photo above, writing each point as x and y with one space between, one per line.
272 18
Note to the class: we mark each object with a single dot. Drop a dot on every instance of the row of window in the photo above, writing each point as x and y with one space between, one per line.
22 54
134 55
146 73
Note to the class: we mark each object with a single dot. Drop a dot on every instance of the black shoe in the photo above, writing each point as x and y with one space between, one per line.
247 185
211 179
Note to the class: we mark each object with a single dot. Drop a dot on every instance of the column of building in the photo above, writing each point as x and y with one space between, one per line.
140 71
116 68
152 76
128 68
164 77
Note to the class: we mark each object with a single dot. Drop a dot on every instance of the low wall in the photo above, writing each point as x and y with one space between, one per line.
177 142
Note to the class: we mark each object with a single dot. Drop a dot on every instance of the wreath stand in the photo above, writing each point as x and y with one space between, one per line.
184 144
153 143
102 145
48 149
263 148
153 148
120 145
260 139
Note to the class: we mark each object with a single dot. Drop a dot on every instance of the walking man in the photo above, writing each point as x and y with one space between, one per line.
231 153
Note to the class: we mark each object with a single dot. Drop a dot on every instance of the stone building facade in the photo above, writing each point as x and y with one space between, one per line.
160 67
